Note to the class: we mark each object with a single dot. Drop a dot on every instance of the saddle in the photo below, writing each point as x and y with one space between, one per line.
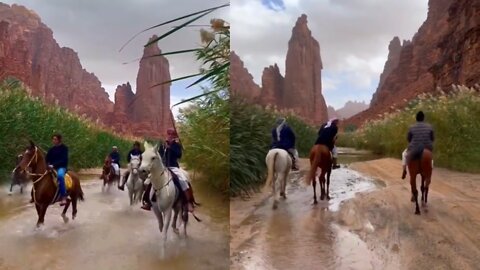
415 154
68 180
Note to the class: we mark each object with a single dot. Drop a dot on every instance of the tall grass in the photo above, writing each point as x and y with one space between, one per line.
454 116
23 117
205 126
250 140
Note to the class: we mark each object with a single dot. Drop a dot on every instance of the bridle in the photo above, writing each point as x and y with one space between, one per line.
34 157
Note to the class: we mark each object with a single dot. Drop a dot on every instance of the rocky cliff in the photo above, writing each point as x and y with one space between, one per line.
299 91
29 52
444 51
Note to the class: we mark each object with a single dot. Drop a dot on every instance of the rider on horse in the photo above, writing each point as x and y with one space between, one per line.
170 152
327 136
284 138
136 151
115 156
420 136
57 158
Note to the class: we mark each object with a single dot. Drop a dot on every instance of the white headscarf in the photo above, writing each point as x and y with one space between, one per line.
329 123
281 124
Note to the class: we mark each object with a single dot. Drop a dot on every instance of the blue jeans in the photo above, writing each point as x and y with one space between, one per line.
61 181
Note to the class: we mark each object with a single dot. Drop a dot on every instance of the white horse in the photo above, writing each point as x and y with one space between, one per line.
134 181
166 193
279 164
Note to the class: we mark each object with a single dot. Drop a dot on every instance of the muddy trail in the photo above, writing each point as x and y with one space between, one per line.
109 234
368 224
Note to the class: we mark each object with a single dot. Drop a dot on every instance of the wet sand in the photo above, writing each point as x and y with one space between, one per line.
109 234
374 226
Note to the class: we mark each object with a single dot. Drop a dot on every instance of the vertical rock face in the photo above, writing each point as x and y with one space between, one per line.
151 106
444 51
273 87
241 81
394 50
301 89
29 53
303 85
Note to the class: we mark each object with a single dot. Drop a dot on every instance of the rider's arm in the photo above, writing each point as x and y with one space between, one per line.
432 136
176 149
409 136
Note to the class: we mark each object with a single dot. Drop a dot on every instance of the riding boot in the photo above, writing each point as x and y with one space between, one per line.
124 180
147 204
294 164
404 172
335 165
189 199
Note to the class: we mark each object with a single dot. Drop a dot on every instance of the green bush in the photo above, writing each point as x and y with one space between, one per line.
454 117
23 117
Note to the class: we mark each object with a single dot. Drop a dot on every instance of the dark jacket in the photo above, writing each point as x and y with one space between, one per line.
134 152
171 155
420 135
326 136
287 138
58 156
115 156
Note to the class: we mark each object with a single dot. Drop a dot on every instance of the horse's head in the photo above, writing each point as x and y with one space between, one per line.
29 159
135 162
151 160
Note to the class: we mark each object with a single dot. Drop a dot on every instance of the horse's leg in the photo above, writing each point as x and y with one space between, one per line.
21 189
273 191
74 207
11 188
43 211
422 189
39 213
322 185
168 218
328 184
413 185
283 185
175 217
64 212
314 184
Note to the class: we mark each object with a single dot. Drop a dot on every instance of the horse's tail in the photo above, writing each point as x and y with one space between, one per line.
80 192
315 159
270 169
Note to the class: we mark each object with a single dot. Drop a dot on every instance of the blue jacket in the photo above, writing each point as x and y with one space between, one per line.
58 156
287 138
134 152
115 156
171 155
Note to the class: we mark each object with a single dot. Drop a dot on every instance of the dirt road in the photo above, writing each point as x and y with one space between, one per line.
374 229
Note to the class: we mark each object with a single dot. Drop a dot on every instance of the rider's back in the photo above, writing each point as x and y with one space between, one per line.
420 135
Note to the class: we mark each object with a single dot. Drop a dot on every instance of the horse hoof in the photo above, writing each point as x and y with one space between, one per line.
10 193
328 198
274 206
417 212
315 201
175 230
65 219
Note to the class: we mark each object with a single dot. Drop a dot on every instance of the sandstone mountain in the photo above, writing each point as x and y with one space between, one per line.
444 51
29 53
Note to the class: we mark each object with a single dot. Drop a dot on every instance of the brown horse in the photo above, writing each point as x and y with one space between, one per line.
44 184
108 173
420 163
320 158
18 177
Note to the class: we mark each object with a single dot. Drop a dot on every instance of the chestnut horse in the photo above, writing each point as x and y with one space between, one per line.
320 158
44 184
108 174
420 163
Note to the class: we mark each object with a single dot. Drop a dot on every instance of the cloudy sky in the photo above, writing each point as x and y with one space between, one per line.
97 29
353 35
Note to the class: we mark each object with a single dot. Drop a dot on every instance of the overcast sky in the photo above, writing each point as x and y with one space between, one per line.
96 30
353 36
